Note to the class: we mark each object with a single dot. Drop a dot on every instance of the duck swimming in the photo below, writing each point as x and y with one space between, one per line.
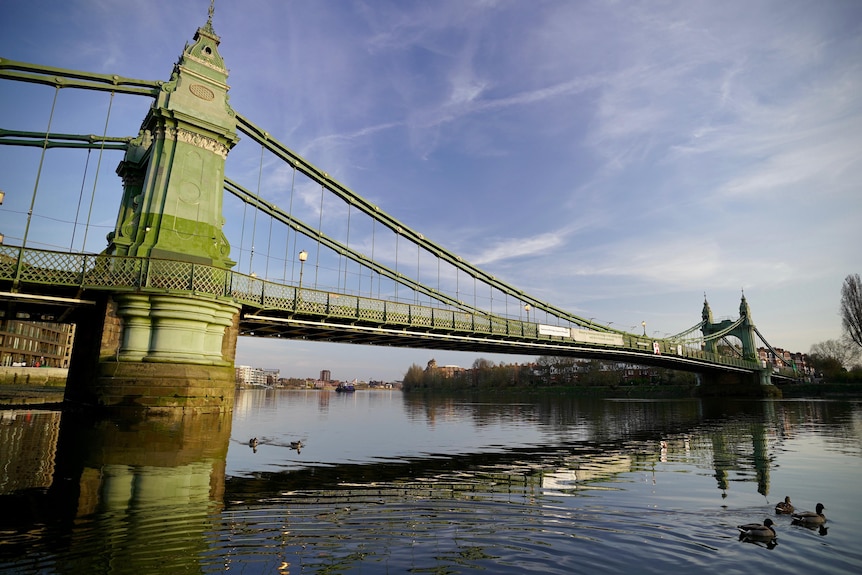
295 444
252 442
758 531
784 507
809 517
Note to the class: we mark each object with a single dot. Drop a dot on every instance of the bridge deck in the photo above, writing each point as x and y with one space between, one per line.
48 283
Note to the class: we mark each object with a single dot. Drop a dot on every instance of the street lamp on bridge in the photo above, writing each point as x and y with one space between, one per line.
527 309
643 323
303 255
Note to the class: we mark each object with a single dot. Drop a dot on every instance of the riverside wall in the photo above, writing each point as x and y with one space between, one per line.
37 376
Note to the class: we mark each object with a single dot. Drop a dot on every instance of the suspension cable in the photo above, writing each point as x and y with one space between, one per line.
373 243
268 249
35 189
347 242
397 235
80 199
774 352
242 233
319 231
295 232
96 178
254 220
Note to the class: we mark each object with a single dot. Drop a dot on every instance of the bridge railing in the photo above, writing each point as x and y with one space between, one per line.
119 273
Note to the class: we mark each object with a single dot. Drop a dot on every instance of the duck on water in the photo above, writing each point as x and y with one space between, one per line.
809 518
784 507
757 531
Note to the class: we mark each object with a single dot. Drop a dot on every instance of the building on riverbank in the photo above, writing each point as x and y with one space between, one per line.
247 375
35 343
785 358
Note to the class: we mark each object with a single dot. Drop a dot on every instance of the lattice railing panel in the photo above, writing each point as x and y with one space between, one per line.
52 268
277 296
242 288
482 324
463 320
170 275
443 318
116 272
421 316
499 326
398 313
8 262
209 280
343 305
311 301
372 309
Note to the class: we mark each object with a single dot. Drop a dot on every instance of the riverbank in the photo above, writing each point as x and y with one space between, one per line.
38 376
28 389
666 391
32 386
821 390
31 396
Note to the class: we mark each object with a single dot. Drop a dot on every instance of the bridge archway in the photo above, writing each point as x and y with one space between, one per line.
742 329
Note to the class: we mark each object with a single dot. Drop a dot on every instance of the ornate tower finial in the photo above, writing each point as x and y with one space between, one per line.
210 13
744 310
706 314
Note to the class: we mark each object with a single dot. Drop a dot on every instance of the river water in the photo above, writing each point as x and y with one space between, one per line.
390 483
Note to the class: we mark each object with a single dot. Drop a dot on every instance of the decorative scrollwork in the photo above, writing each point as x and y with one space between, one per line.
203 142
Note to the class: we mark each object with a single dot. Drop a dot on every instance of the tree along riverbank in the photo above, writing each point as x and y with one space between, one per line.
36 391
823 389
647 391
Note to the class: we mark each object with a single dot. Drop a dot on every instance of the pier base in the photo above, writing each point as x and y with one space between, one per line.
723 384
156 352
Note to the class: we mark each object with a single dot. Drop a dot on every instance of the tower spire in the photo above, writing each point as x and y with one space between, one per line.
209 25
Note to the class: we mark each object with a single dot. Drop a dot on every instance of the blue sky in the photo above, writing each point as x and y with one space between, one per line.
617 159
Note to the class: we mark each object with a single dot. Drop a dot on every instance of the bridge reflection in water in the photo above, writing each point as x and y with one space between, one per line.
135 492
153 494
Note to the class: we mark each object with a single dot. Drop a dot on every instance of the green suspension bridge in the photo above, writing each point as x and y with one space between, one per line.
163 301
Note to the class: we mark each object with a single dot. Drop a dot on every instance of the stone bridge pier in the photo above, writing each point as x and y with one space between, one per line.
168 349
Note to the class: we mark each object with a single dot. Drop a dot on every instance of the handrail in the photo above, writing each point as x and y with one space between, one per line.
125 273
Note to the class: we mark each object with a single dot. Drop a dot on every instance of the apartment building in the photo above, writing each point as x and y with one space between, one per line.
35 343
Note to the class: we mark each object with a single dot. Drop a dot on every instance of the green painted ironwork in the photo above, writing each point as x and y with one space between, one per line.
123 272
64 78
323 178
333 244
152 275
54 140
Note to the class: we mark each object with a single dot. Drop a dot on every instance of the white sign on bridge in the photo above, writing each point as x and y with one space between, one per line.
587 336
554 330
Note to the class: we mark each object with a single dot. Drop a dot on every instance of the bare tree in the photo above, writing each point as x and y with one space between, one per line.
835 351
851 308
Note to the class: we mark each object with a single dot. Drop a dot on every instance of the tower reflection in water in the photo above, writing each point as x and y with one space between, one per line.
149 486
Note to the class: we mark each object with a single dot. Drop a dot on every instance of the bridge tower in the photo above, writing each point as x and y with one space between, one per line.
744 331
169 350
729 384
